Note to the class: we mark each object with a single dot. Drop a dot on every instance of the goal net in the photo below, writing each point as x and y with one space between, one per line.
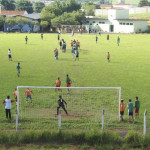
84 107
74 28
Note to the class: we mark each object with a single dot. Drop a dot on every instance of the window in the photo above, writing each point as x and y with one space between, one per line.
131 23
90 23
93 21
87 21
127 23
103 22
123 23
99 22
120 23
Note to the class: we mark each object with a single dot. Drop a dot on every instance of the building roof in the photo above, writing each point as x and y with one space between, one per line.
93 17
126 4
34 16
7 12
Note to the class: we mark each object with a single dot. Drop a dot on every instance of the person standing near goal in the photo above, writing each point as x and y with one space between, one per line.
122 108
137 107
68 83
28 94
130 110
61 103
58 84
7 103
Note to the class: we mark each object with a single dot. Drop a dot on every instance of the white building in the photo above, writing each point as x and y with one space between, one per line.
118 22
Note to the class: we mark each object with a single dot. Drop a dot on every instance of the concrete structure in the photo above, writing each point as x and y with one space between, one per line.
118 22
124 6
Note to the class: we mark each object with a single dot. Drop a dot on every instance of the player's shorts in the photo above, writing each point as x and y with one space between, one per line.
57 85
121 112
136 111
18 70
29 96
130 113
68 84
9 56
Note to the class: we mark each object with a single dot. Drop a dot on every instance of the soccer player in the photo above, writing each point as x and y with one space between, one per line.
108 57
71 43
137 107
9 55
7 103
96 38
122 108
56 53
107 36
78 44
58 37
68 82
77 55
130 107
18 69
28 94
58 84
61 103
72 52
42 36
15 94
64 47
26 39
118 40
60 44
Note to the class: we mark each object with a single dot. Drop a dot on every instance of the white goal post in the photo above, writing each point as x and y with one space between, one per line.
71 88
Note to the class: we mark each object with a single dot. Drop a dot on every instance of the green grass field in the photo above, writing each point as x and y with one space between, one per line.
128 69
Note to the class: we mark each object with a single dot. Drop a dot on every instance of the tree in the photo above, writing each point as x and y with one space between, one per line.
1 21
89 8
11 21
143 3
22 21
67 18
8 4
44 24
24 5
38 6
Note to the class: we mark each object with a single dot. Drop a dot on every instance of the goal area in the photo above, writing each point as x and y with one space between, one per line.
84 107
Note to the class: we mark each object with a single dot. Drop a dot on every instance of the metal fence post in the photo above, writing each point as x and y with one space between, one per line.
59 119
103 120
144 130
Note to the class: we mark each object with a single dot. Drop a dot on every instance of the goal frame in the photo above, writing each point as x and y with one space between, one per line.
48 87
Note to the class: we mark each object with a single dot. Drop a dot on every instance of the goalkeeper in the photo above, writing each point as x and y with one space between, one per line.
61 103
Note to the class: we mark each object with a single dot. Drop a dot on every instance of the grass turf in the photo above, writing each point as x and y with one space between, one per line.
128 67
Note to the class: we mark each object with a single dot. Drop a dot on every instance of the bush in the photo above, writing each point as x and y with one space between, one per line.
134 140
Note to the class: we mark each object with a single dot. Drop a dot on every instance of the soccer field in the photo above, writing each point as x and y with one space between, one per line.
128 67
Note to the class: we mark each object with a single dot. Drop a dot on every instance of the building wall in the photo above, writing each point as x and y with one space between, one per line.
119 26
98 25
118 14
138 10
140 26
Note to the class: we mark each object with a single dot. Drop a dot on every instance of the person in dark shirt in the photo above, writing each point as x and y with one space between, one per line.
61 103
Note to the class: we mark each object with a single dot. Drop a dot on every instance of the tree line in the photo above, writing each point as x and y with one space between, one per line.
22 5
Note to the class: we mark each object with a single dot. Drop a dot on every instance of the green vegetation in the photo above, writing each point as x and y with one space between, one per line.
71 140
140 16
